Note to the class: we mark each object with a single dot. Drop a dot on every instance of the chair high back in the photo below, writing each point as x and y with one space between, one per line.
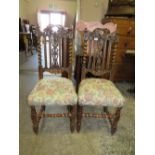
56 43
54 56
99 51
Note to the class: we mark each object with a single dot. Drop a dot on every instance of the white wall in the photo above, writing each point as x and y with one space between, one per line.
93 10
28 8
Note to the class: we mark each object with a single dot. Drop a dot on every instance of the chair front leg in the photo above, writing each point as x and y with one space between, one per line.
115 120
79 117
73 111
34 119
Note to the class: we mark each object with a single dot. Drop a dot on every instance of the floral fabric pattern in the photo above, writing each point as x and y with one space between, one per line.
58 91
99 92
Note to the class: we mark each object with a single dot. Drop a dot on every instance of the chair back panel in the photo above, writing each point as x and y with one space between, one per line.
98 52
55 49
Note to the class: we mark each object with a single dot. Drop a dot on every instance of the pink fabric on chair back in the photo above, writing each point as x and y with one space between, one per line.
91 26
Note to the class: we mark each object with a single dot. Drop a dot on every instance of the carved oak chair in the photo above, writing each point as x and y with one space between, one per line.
98 55
55 45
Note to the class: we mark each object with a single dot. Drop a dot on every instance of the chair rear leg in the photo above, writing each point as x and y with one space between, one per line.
73 111
115 120
69 108
42 110
79 117
34 119
105 109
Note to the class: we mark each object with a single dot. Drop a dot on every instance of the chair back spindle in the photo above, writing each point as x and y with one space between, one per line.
98 53
55 50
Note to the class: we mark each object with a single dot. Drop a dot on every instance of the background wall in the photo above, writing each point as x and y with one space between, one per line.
93 10
87 10
28 9
22 11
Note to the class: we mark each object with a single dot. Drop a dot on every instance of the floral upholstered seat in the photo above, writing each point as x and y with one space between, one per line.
55 54
99 92
59 91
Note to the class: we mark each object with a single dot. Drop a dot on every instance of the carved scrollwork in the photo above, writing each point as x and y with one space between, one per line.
54 38
97 48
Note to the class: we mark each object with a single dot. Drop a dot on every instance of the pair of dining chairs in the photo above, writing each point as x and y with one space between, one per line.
55 55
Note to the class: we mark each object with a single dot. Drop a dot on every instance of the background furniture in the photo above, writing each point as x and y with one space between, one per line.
58 91
26 39
34 35
27 36
122 13
98 91
21 40
123 66
124 8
